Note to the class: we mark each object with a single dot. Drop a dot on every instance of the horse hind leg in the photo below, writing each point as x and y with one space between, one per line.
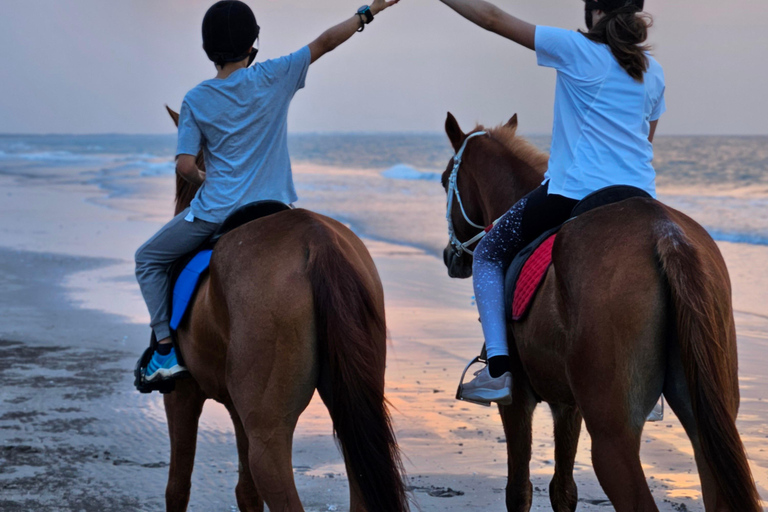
614 415
563 493
248 499
616 459
269 419
271 378
182 409
616 430
517 419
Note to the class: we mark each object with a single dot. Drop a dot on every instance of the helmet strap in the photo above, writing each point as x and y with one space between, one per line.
252 56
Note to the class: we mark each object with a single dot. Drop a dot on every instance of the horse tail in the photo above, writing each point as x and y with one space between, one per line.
700 290
351 332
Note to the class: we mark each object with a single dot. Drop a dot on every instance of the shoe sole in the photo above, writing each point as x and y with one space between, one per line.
167 373
487 396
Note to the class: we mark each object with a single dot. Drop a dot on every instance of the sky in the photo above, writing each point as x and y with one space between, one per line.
109 66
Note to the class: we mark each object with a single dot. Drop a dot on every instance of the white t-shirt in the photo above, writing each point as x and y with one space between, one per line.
241 122
602 116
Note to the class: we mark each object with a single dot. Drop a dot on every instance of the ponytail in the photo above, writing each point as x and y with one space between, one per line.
625 30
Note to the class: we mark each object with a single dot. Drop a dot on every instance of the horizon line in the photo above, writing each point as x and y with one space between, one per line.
345 133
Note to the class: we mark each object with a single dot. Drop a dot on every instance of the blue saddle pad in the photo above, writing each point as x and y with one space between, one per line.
186 285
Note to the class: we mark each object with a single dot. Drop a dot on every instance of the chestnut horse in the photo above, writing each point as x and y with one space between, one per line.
292 303
637 303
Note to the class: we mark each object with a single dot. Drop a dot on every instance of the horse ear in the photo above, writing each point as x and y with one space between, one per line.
512 123
455 135
173 114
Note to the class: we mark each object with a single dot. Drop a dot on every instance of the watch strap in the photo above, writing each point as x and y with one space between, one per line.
365 14
362 21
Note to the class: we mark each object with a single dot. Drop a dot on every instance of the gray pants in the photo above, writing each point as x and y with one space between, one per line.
154 260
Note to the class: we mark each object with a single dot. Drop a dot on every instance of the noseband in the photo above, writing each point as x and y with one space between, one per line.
453 191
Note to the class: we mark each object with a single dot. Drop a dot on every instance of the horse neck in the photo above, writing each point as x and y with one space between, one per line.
502 183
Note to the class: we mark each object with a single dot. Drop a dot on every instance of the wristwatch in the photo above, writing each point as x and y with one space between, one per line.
366 16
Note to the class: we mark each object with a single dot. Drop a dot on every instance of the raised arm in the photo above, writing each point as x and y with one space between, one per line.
333 37
490 17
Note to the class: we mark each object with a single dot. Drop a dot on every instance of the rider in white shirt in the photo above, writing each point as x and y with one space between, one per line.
609 97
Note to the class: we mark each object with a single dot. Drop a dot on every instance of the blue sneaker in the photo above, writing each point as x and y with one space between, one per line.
164 367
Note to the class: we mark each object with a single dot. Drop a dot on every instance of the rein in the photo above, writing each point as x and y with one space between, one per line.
453 191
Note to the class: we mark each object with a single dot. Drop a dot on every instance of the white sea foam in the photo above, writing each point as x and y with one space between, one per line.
54 157
406 172
147 168
158 168
137 156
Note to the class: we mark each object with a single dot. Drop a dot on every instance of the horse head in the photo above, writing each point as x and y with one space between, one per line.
185 191
491 170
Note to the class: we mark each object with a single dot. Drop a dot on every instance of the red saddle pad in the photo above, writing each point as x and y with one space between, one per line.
534 270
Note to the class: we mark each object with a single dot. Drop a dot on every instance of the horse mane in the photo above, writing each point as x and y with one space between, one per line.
519 146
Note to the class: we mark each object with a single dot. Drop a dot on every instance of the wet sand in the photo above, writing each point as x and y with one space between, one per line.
74 435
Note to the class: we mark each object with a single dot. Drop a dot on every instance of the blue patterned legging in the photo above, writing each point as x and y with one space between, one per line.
527 219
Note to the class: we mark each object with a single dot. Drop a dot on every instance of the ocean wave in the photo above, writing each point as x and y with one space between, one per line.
406 172
158 168
136 156
738 237
53 157
146 168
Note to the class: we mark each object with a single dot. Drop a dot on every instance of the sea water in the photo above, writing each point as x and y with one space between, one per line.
386 186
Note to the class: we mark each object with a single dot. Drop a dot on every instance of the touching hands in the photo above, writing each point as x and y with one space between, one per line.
379 5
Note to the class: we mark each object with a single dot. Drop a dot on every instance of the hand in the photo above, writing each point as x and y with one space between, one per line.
379 5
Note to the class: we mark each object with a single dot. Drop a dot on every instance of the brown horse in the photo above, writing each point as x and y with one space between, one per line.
637 302
292 303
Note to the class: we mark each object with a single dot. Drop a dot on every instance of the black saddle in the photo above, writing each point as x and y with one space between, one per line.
239 217
246 214
602 197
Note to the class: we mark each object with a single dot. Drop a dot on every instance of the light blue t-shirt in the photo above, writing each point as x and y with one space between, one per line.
602 116
241 123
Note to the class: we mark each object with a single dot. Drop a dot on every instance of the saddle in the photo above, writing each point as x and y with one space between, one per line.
528 269
185 276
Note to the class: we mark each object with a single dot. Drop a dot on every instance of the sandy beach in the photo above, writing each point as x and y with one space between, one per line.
74 434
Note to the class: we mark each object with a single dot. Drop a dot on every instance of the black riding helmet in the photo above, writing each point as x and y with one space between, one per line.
229 32
607 6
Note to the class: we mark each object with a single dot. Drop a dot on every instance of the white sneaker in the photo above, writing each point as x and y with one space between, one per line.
484 388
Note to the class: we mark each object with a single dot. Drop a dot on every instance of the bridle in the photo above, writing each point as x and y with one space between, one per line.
453 190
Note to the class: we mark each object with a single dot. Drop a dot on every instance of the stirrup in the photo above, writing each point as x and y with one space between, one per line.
460 390
657 414
164 386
